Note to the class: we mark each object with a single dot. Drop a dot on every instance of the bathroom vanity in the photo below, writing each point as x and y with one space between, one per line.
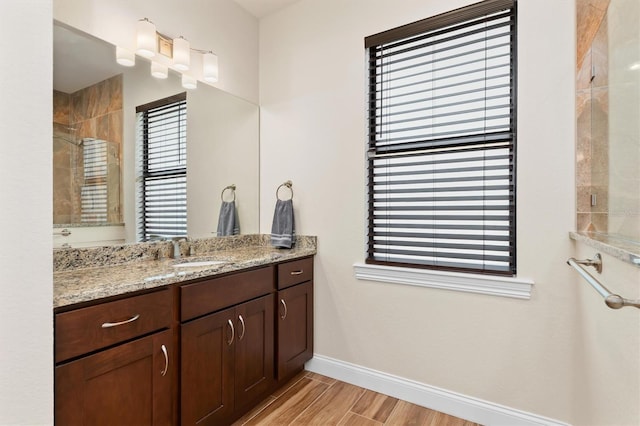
199 344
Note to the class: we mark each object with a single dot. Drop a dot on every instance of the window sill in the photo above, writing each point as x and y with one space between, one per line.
517 288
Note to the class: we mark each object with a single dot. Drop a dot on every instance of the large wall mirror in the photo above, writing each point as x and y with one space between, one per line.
608 129
94 145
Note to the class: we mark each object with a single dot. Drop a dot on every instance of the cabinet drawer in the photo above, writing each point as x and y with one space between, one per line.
218 293
295 272
87 329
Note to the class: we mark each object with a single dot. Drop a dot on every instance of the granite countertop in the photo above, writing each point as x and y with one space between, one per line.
73 285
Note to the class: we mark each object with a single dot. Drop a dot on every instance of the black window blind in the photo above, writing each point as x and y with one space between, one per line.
162 189
441 141
93 193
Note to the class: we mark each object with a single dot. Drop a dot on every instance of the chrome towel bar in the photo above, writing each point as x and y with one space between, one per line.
614 301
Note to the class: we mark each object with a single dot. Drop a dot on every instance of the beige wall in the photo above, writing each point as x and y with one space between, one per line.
220 25
523 354
26 296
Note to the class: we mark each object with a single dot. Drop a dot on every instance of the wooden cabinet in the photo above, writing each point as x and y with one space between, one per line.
295 316
127 383
227 357
235 337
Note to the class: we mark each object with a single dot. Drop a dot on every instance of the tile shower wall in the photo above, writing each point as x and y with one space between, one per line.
592 103
92 112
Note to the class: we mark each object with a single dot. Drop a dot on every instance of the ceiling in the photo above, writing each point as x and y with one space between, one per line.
79 61
262 8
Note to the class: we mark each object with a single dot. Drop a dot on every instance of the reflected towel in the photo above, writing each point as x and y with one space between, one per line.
283 230
228 222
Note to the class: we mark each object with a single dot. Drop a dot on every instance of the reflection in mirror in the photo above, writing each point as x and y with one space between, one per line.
95 178
608 133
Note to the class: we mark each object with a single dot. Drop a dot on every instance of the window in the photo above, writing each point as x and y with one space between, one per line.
162 172
441 142
93 193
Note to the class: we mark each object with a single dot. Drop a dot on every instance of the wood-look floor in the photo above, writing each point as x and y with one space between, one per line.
312 399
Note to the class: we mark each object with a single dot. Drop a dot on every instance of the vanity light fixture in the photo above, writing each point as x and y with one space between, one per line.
159 70
174 52
181 54
189 82
210 67
146 38
125 57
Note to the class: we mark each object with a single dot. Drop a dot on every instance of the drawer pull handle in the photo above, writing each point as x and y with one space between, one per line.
300 272
233 332
115 324
284 305
166 360
241 335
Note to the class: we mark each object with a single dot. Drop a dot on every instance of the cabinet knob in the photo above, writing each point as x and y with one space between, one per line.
300 272
166 360
233 332
284 305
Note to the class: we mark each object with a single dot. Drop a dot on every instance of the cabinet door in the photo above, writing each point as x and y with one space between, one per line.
295 328
129 384
207 369
254 350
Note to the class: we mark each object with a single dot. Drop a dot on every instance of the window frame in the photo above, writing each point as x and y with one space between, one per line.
425 26
145 174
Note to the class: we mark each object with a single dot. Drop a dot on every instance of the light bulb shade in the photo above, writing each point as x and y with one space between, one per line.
125 57
189 82
146 38
159 70
210 67
181 54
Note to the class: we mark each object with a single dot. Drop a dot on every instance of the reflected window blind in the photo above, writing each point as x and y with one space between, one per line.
441 141
93 193
162 189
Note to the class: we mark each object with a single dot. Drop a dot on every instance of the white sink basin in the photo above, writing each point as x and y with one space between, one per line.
199 264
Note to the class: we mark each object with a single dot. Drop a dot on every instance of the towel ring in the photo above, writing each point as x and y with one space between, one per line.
232 188
289 185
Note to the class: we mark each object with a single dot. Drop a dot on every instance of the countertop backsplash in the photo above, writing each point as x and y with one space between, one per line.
76 258
88 274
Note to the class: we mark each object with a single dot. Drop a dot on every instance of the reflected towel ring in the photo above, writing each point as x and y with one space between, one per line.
232 188
289 185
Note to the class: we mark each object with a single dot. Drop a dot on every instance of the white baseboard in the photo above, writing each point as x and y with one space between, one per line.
455 404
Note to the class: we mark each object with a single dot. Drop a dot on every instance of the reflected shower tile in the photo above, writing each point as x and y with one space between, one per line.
61 107
114 88
78 107
86 129
115 127
102 127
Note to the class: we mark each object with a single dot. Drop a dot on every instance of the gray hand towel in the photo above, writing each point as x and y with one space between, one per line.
283 230
228 222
